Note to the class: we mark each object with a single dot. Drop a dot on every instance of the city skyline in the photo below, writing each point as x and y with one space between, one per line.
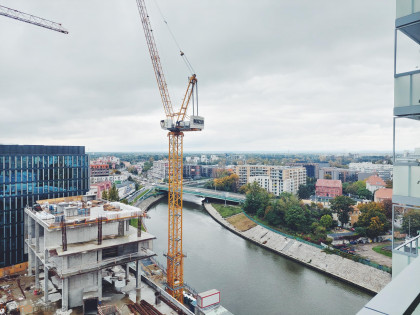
266 81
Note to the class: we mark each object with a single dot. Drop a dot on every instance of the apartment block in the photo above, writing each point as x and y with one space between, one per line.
312 169
159 170
365 169
401 295
192 171
275 179
99 170
110 178
335 173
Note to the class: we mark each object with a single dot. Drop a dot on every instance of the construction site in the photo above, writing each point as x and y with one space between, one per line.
84 256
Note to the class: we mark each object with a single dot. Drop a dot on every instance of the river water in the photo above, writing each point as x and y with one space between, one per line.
252 280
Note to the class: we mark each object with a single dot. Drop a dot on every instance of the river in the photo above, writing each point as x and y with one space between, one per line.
252 280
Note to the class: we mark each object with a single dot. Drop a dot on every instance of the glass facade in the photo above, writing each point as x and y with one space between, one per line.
29 173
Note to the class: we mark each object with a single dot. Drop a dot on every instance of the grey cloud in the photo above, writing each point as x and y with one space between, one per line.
273 75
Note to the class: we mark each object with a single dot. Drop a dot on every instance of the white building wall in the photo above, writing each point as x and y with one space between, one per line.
275 179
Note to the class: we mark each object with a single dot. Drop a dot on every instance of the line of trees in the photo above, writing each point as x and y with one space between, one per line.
357 189
287 212
226 182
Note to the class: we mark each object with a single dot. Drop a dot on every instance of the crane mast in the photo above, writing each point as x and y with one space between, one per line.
32 19
176 124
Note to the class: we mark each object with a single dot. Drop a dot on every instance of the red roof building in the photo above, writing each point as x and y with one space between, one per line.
383 194
328 188
374 183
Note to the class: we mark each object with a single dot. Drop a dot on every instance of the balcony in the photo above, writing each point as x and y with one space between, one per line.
407 182
407 7
404 254
407 94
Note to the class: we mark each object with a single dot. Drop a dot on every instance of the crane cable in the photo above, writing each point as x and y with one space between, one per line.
184 57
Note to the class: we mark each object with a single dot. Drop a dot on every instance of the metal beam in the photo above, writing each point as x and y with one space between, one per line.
32 19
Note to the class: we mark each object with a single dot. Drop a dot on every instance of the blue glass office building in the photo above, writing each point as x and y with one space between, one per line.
34 172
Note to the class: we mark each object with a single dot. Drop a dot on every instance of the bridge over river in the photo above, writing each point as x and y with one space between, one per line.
208 193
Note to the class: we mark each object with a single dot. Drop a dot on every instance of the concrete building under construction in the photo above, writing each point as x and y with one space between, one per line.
77 241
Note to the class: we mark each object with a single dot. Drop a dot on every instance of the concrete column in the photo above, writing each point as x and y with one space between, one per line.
46 276
29 227
121 228
65 295
138 282
100 285
36 272
127 225
138 274
36 237
65 263
30 261
127 273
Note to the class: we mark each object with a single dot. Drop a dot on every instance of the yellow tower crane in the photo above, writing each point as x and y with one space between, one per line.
176 123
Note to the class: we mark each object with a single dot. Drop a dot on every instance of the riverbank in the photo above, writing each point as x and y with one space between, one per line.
147 203
360 275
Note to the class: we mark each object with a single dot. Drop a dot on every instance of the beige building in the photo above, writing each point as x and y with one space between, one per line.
275 179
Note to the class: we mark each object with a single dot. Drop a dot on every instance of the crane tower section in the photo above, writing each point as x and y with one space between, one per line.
176 122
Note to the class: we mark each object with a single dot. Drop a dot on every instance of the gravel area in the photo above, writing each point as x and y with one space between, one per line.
366 251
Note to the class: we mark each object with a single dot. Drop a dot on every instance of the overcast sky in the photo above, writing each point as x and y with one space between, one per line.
274 75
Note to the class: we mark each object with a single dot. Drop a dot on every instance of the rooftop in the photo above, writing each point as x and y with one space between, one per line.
79 211
384 193
375 181
329 183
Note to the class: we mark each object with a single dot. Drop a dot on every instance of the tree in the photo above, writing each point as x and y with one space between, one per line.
105 195
275 213
357 189
373 219
361 231
244 188
389 183
326 221
304 192
387 204
257 200
147 166
296 219
411 222
342 205
209 184
137 186
227 183
113 194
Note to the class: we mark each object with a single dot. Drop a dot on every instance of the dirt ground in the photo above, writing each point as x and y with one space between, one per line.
366 251
28 303
241 222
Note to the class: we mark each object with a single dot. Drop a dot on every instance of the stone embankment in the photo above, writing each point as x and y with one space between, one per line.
360 275
147 203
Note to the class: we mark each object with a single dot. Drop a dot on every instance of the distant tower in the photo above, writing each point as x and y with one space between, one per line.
406 189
